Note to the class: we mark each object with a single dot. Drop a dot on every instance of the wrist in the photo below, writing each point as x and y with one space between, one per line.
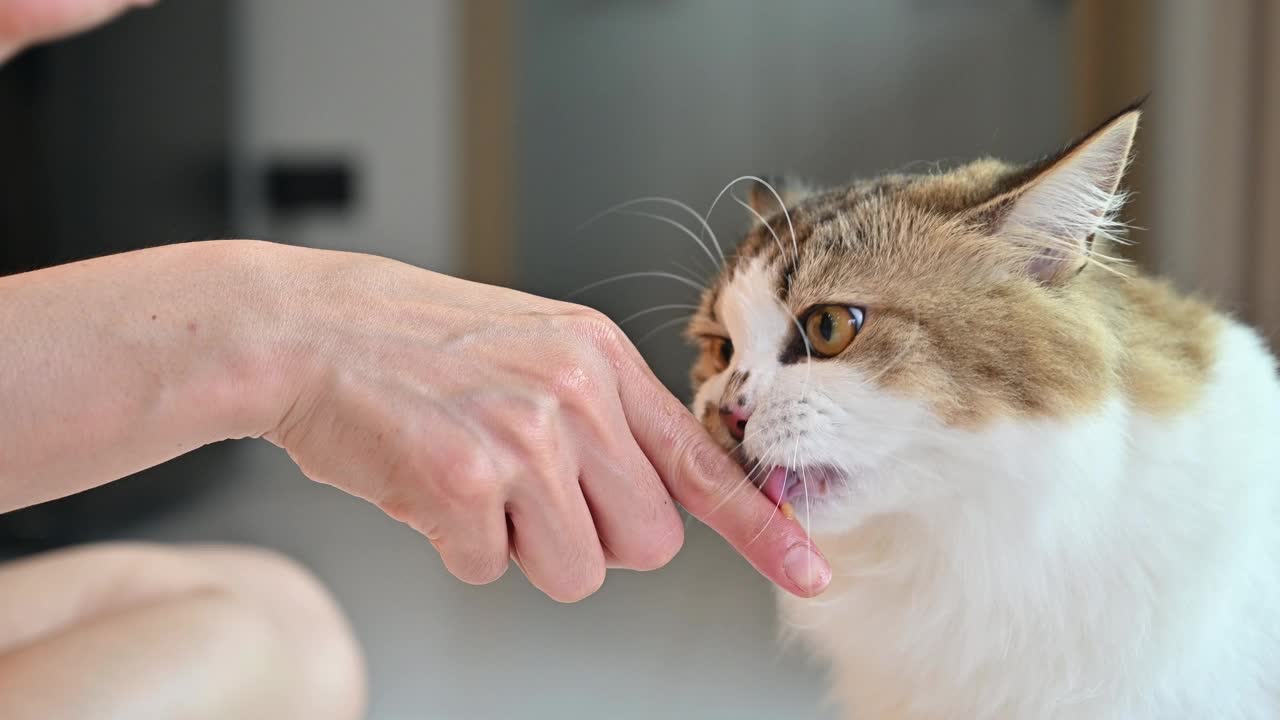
261 331
308 311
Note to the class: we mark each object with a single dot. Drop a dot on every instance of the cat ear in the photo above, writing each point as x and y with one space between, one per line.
766 191
1058 207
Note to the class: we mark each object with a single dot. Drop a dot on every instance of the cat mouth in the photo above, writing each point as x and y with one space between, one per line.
784 484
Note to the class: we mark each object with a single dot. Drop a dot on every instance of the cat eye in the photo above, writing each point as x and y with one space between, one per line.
830 328
721 351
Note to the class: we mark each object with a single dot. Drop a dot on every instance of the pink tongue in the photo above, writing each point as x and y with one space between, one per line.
775 485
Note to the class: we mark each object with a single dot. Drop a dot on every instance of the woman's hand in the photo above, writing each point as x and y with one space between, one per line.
496 423
26 22
500 424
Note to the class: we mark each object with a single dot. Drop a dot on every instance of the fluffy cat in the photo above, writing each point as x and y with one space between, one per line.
1048 487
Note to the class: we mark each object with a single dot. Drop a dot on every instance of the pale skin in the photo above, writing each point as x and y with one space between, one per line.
504 427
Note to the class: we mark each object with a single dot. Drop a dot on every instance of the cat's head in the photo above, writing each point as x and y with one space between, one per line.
867 329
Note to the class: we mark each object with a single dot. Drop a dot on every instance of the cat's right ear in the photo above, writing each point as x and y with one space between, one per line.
1056 208
770 195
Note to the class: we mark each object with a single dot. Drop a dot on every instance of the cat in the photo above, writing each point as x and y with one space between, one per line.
1049 487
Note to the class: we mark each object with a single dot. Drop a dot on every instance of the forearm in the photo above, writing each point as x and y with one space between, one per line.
116 364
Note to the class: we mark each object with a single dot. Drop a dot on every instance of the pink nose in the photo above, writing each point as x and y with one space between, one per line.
735 416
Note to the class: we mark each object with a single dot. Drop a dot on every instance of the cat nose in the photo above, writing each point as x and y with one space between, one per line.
734 415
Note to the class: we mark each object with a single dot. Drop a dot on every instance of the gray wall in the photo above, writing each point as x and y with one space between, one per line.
626 99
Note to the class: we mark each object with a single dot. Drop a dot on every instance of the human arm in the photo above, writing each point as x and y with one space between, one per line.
496 423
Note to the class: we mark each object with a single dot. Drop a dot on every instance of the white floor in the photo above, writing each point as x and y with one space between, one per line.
695 640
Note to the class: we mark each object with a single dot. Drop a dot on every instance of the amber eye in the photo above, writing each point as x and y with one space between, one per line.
830 328
721 350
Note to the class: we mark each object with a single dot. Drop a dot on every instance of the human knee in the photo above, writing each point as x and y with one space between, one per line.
317 636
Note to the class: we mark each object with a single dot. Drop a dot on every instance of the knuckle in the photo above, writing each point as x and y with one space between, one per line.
477 567
535 414
576 383
661 549
469 475
601 330
399 508
583 585
468 462
535 438
711 474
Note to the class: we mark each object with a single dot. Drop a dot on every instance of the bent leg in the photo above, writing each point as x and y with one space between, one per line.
143 631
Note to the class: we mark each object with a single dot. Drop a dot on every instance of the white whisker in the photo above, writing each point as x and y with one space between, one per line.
748 479
654 309
677 225
663 326
690 271
808 511
777 240
781 204
668 201
781 496
627 276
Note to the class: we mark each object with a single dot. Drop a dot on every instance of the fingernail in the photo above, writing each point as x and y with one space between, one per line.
806 568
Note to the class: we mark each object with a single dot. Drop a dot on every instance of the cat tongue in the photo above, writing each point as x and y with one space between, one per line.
775 485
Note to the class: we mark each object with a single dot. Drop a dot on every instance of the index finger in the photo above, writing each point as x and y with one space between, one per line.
701 476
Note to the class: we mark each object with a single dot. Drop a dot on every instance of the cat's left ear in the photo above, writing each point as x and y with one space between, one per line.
769 195
1058 207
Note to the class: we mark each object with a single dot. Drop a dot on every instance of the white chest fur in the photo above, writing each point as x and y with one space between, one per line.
1118 566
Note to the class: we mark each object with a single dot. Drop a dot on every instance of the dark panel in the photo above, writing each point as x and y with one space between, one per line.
113 141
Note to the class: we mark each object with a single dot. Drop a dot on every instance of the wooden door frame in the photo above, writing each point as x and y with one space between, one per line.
488 159
1266 257
1207 173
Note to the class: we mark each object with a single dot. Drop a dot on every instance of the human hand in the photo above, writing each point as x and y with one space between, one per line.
26 22
503 425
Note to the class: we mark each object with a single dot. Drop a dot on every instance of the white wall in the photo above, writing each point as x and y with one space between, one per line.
373 79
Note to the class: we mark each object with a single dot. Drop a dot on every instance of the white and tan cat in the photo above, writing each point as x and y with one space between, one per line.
1048 487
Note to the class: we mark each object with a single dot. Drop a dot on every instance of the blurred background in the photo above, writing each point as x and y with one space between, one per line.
476 137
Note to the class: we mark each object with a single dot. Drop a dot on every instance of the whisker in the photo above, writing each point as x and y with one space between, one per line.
758 468
759 461
680 226
654 309
668 201
777 240
663 326
627 276
781 204
808 511
781 498
748 480
690 271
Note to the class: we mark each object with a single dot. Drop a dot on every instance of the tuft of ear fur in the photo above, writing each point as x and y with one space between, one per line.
1056 210
766 191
